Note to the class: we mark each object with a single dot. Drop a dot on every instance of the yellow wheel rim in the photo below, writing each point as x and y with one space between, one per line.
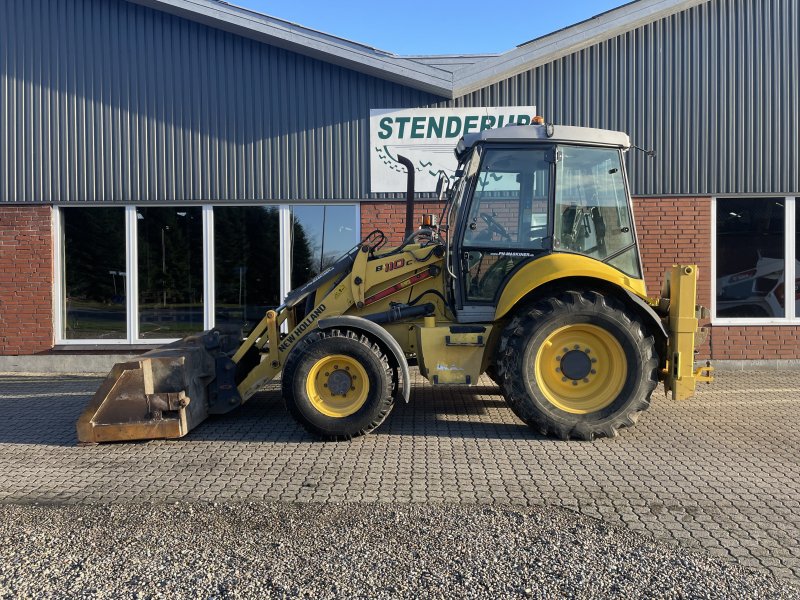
581 368
337 385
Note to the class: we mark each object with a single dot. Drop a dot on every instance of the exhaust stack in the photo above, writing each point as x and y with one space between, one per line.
409 195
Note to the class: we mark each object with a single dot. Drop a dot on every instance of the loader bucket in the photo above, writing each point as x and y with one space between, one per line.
162 394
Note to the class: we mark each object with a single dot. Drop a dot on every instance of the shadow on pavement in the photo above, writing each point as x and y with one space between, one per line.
44 410
469 413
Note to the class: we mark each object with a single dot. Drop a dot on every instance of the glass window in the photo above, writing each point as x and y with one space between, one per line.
469 169
170 248
320 234
509 204
169 270
797 261
486 272
750 258
592 215
95 281
246 265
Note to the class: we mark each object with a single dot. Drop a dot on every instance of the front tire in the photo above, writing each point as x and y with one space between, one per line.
338 384
578 366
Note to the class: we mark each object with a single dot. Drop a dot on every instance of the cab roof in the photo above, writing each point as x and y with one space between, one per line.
536 133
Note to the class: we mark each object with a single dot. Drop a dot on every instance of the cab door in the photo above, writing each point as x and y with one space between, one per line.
505 221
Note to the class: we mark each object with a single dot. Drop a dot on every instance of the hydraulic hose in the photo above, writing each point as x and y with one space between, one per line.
400 313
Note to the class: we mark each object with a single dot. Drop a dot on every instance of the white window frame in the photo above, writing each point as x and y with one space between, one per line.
132 276
790 271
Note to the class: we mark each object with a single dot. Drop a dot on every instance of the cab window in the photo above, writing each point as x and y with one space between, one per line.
509 203
507 219
592 213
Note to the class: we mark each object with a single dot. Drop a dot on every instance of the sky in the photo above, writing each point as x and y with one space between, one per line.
431 27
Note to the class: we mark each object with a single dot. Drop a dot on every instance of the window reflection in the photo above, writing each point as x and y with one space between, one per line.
320 234
95 281
797 261
592 216
750 258
509 206
169 272
246 265
170 247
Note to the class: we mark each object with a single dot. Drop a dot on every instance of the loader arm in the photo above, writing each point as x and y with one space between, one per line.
372 284
168 391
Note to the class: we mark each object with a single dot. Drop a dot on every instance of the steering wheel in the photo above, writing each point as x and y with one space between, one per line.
494 226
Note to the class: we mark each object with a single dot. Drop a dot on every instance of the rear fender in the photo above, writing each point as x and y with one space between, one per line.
651 318
554 268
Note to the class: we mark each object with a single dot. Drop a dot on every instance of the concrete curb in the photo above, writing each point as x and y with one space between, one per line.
82 364
86 364
755 365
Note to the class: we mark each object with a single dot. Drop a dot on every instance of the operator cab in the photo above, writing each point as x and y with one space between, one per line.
527 191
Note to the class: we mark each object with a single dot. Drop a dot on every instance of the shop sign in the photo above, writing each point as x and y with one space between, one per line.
428 136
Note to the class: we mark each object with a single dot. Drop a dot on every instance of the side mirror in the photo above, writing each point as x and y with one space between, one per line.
442 185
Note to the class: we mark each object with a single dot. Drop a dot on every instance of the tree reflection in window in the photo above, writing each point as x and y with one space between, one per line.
247 265
95 281
170 248
320 234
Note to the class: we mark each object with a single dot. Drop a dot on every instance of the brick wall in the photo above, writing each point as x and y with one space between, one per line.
676 230
390 217
671 230
679 230
26 280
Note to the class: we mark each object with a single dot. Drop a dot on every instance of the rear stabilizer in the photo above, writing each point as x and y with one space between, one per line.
681 376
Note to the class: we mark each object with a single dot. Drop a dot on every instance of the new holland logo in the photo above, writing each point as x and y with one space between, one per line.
304 324
428 137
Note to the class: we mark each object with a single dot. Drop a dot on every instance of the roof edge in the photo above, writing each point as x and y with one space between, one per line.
413 71
309 42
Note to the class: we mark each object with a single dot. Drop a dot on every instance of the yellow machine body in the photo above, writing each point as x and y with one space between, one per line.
174 378
452 354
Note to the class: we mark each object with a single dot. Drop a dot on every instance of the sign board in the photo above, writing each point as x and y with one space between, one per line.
427 136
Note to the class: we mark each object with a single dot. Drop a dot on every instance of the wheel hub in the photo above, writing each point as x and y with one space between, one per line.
340 382
576 365
580 368
337 385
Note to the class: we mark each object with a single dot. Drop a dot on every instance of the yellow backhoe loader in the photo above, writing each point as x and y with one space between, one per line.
533 277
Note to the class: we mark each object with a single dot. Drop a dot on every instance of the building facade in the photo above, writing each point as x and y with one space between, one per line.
168 166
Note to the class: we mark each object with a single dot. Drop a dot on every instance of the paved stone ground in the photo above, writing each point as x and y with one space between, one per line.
720 472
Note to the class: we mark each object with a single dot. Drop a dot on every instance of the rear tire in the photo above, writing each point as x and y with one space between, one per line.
577 366
338 384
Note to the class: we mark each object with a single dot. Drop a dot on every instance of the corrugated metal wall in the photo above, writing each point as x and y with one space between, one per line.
713 90
103 100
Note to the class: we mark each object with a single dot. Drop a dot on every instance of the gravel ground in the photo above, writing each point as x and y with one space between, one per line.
348 550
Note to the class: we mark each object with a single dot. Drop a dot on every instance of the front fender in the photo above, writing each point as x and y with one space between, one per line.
376 331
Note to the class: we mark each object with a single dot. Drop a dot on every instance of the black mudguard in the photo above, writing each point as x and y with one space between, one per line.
372 329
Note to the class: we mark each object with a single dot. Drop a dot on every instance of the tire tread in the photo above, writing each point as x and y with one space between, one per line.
294 360
512 347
